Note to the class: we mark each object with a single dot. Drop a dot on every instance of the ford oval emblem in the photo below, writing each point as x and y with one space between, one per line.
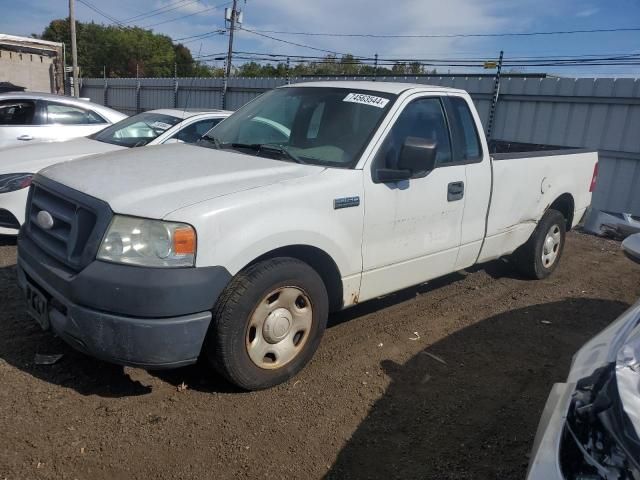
44 220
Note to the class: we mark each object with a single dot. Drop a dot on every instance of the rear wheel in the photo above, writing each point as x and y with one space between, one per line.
539 257
268 323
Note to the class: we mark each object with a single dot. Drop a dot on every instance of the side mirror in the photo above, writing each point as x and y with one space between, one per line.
631 247
385 175
417 158
418 155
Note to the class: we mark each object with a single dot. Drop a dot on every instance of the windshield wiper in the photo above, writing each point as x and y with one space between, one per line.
267 148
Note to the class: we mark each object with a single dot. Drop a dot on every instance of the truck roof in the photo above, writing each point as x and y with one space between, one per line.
386 87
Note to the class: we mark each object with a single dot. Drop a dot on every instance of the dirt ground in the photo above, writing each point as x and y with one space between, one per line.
447 380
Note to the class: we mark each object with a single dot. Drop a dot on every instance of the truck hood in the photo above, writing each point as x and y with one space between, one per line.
32 158
156 180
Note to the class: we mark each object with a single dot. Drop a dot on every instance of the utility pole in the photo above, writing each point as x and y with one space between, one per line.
288 67
105 92
74 47
227 73
494 97
375 67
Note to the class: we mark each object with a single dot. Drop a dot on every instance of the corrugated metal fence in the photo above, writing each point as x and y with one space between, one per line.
602 114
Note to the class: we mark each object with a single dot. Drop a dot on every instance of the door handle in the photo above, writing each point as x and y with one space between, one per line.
455 191
25 138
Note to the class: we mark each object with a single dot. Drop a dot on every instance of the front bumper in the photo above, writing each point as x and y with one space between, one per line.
144 317
545 462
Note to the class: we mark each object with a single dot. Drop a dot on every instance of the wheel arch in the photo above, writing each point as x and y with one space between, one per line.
565 204
317 259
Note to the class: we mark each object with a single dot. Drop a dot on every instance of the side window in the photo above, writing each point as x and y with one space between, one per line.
423 118
61 114
17 112
195 131
470 148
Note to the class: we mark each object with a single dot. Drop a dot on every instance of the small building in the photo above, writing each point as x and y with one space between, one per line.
37 65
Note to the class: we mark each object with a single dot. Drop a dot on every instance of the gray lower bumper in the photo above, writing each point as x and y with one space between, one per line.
142 342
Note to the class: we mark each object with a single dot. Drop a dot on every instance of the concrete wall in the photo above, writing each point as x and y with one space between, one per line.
30 70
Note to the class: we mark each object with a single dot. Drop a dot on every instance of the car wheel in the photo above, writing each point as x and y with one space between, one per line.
539 257
268 323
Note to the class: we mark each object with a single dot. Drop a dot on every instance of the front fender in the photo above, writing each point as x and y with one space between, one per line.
236 229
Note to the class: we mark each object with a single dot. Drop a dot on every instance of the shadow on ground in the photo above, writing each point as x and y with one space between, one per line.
455 410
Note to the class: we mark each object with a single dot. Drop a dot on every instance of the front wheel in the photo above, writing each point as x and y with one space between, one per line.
267 323
539 257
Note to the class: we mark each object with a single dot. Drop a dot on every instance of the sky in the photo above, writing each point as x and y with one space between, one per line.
388 17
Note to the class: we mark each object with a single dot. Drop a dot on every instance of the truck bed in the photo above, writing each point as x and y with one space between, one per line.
505 150
526 186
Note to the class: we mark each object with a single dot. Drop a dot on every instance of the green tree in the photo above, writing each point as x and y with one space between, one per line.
349 65
250 69
125 51
415 68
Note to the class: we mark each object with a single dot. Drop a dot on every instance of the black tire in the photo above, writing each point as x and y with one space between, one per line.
528 258
226 346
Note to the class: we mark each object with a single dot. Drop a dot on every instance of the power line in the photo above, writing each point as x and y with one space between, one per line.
186 16
120 23
479 58
160 11
288 42
198 35
627 59
221 31
201 36
451 35
100 12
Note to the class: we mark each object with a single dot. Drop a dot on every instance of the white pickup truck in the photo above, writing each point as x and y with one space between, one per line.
311 198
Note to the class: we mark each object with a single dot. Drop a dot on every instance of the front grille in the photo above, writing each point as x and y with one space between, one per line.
79 222
7 220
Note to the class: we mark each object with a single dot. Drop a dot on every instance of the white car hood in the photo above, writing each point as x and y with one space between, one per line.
32 158
156 180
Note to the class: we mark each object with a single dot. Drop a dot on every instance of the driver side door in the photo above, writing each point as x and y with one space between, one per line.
412 228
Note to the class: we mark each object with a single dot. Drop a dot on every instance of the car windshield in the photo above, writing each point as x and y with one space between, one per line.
319 126
136 131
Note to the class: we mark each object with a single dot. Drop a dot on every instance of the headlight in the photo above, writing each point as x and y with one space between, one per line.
149 243
14 181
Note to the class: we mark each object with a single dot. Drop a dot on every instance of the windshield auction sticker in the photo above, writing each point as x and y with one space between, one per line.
366 100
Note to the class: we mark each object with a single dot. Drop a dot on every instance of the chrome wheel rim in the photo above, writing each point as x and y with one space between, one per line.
551 246
279 327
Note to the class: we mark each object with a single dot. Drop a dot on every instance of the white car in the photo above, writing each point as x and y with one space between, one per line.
590 426
155 127
311 198
29 117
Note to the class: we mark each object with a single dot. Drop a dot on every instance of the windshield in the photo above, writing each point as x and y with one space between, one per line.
320 126
136 131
